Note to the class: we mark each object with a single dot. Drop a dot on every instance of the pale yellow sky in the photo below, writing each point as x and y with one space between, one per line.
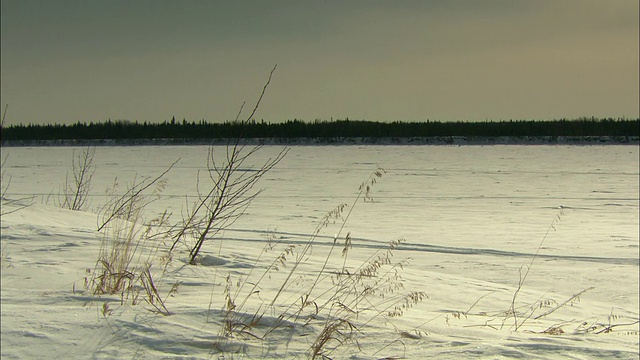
67 61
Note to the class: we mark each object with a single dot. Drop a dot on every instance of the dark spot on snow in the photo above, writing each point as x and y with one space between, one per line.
209 260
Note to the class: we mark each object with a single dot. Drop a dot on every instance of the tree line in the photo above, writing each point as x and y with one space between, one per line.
172 129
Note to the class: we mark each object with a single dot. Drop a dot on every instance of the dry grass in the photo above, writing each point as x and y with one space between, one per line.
336 306
520 313
130 247
523 277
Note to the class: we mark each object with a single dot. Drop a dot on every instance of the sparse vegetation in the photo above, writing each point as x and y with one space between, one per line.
323 298
520 314
336 305
130 245
75 193
523 277
230 191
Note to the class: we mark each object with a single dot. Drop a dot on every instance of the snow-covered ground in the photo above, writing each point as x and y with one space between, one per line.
472 219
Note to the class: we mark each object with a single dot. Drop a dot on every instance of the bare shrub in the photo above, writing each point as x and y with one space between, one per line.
230 190
75 193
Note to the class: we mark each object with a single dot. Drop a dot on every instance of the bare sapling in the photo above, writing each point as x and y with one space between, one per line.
232 178
76 192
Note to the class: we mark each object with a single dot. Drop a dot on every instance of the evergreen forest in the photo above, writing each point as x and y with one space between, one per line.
172 129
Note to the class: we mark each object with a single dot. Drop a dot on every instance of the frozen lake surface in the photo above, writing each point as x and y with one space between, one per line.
471 217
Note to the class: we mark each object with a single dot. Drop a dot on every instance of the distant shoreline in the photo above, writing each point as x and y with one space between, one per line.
432 140
582 131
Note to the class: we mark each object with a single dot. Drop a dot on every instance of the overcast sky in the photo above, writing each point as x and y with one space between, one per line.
86 60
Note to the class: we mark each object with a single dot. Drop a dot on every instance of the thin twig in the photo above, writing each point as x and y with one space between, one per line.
134 196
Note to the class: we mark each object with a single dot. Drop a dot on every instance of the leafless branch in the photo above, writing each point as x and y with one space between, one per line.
75 193
231 187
